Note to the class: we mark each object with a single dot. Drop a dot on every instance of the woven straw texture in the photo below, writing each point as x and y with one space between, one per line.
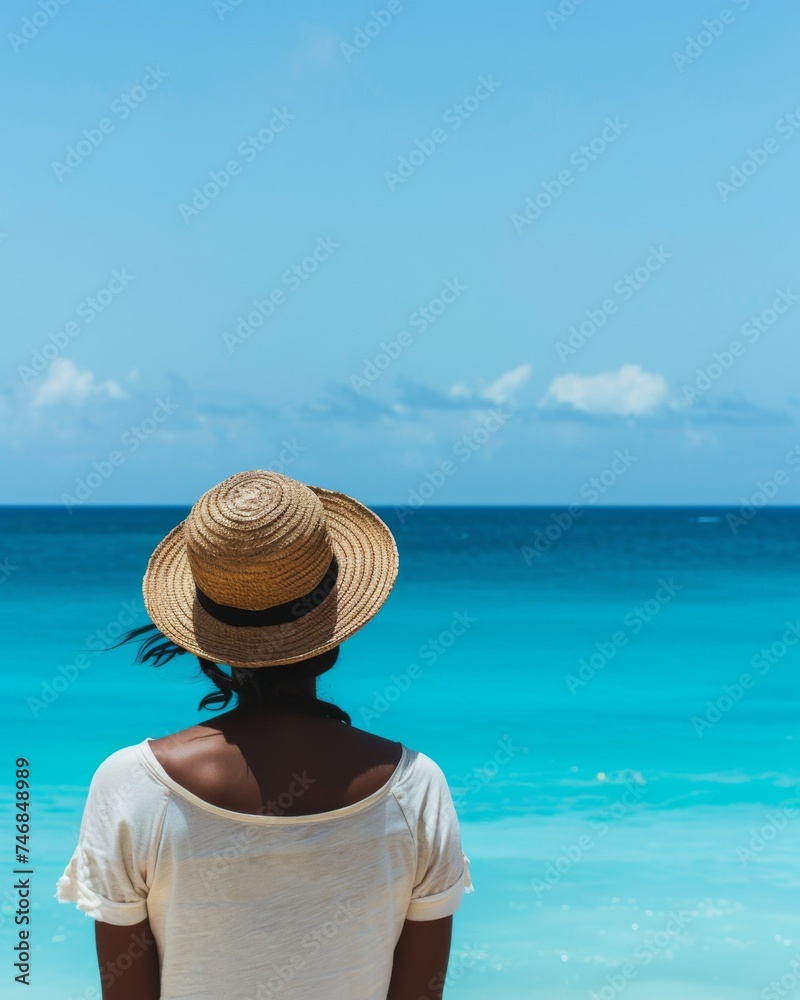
259 539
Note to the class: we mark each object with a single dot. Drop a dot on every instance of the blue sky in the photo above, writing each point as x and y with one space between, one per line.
462 252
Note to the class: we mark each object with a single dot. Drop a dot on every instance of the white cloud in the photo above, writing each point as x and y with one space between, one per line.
506 386
502 390
700 438
628 392
66 383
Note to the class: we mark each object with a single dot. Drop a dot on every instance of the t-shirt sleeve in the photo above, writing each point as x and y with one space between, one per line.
443 874
109 872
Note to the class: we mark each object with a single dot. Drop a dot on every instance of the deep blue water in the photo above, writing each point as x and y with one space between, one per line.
618 720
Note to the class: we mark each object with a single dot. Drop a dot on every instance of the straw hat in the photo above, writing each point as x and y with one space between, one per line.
266 570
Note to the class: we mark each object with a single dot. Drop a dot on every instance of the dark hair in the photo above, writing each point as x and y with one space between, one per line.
254 688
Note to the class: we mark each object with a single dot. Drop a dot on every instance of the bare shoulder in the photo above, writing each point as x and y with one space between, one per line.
208 738
240 761
180 744
367 759
377 756
191 756
372 742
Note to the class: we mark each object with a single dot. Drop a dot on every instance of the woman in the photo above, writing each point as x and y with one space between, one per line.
272 850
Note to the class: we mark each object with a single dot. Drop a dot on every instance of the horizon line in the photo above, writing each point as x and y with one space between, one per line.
431 506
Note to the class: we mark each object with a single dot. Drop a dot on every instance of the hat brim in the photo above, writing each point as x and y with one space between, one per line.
368 563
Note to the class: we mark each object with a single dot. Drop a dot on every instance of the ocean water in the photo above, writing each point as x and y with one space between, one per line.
613 698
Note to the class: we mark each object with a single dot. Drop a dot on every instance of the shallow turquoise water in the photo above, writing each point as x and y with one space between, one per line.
632 823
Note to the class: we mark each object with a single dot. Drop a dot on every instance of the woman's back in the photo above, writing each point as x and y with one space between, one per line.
305 898
252 763
274 848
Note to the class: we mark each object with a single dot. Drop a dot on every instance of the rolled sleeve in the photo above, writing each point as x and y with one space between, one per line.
109 872
441 904
76 885
443 874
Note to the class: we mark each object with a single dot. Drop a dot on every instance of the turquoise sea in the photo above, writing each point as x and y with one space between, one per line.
613 698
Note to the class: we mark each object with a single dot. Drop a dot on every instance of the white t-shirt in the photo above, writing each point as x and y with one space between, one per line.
250 907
